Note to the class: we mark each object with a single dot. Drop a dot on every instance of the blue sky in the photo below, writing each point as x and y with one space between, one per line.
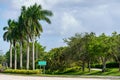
70 17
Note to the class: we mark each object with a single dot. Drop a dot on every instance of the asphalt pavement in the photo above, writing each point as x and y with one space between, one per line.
18 77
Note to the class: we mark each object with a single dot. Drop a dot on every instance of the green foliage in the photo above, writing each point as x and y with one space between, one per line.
23 71
40 55
0 66
56 59
82 50
73 69
108 65
96 66
2 58
112 65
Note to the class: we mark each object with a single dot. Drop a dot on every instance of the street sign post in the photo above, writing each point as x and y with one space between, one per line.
42 63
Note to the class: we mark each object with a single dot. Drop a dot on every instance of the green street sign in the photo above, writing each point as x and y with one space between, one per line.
42 63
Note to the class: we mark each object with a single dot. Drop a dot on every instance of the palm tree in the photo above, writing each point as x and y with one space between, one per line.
26 31
21 36
31 26
7 36
15 39
36 14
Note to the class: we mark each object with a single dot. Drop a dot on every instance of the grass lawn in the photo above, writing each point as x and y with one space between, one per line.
109 72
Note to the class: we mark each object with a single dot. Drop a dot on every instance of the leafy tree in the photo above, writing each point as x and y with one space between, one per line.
77 47
56 59
104 48
115 46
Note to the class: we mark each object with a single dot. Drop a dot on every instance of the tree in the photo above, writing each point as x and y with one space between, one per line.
21 35
77 48
56 59
15 39
115 46
89 48
35 14
24 20
7 36
104 47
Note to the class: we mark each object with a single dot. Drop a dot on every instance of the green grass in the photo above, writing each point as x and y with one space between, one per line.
109 72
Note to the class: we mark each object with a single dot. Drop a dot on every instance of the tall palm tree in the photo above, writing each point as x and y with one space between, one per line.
26 30
21 36
31 17
36 14
15 39
7 36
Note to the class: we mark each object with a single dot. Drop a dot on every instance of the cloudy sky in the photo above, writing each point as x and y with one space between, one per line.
70 17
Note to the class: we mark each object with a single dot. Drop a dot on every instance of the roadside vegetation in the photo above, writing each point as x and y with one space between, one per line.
82 53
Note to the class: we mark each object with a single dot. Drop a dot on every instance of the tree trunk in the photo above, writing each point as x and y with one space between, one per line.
104 65
10 55
89 66
15 57
83 66
27 66
33 51
21 55
117 61
36 52
119 66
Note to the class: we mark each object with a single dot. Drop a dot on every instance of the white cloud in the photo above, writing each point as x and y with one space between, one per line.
70 17
48 4
70 25
45 3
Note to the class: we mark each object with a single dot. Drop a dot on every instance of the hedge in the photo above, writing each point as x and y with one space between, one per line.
23 71
112 65
108 65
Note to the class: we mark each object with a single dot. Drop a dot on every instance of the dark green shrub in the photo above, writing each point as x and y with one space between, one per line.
108 65
112 65
96 66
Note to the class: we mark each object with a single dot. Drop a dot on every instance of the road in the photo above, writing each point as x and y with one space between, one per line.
17 77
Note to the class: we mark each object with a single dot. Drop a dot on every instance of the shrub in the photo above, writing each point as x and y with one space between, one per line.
23 71
108 65
2 68
112 65
96 66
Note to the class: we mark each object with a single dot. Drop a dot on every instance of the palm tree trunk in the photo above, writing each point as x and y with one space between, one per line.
21 55
27 66
33 51
15 57
36 52
10 55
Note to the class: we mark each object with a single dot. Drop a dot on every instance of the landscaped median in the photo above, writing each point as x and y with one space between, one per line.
22 71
